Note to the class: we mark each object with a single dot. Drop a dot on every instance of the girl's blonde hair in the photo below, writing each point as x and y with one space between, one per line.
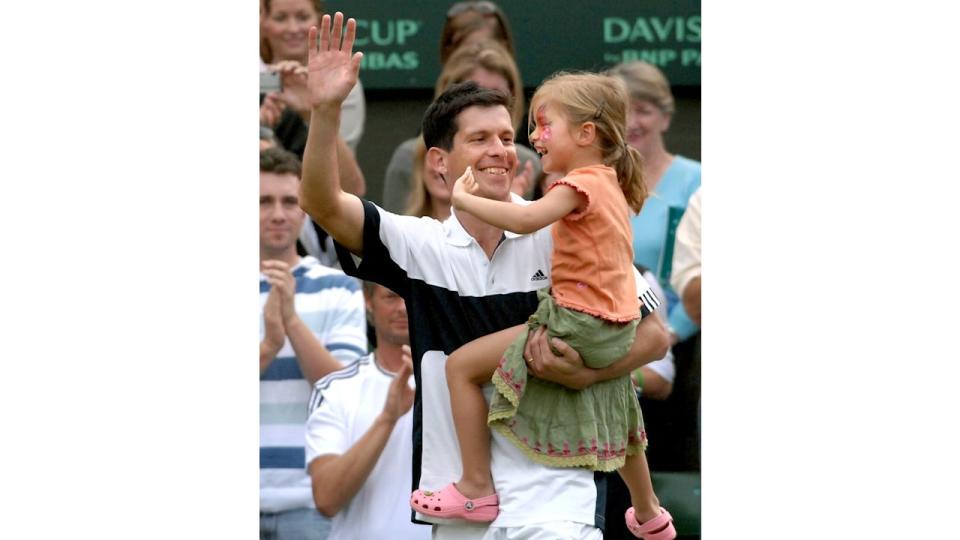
602 100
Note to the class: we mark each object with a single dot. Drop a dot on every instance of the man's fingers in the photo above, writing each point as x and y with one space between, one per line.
324 33
275 264
311 43
540 347
560 346
273 299
278 282
349 37
273 273
528 347
406 369
337 32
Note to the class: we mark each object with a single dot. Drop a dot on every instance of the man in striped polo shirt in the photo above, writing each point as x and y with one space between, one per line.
312 323
461 279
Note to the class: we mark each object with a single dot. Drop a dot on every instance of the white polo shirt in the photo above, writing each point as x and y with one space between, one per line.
344 405
454 295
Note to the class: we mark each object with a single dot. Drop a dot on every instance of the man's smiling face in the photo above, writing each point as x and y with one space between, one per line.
484 141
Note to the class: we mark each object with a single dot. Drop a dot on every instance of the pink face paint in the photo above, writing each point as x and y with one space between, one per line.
545 133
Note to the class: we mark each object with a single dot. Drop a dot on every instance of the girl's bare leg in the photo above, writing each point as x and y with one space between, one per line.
468 369
636 475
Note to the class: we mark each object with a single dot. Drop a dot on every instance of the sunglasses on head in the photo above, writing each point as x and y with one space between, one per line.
480 7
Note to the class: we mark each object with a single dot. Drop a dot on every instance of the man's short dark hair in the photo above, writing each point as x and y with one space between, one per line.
278 160
440 120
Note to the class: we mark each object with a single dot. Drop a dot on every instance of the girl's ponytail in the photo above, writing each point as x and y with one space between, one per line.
629 167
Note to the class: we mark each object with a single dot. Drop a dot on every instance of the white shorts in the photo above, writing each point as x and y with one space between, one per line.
551 530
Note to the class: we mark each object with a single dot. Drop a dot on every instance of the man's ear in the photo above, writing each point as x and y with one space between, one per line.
586 134
437 159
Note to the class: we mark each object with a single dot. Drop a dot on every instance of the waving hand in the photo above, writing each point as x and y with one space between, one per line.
332 67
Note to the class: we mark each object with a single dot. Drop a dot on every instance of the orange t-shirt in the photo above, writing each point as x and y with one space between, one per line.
592 265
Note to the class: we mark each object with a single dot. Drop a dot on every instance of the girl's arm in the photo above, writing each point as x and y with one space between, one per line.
557 203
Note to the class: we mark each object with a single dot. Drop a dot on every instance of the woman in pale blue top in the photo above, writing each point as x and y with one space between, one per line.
671 180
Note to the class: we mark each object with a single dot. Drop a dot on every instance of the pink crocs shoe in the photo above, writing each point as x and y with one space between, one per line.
658 528
450 503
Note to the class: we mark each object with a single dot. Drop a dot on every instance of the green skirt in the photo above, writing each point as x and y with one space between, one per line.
596 427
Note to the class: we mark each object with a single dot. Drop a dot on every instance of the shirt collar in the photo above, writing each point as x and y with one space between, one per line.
458 236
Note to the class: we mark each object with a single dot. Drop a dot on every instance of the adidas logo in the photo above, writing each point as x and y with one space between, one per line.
538 276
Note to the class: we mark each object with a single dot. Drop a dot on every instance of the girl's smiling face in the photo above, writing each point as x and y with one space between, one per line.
552 139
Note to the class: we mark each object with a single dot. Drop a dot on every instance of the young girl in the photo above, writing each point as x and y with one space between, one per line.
592 305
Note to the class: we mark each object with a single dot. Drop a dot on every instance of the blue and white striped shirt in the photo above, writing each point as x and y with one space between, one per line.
331 304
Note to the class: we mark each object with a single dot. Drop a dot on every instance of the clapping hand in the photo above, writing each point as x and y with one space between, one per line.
400 396
274 333
282 282
332 67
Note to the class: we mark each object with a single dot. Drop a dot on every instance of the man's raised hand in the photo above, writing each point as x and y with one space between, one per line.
332 66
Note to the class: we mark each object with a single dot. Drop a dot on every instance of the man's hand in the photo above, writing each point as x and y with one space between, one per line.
400 396
283 283
332 67
274 334
567 369
466 184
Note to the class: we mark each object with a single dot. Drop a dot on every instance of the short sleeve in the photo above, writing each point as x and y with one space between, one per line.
580 183
347 337
385 249
326 431
686 251
649 300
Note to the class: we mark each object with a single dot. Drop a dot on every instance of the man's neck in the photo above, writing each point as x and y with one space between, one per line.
288 256
388 355
485 234
440 209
